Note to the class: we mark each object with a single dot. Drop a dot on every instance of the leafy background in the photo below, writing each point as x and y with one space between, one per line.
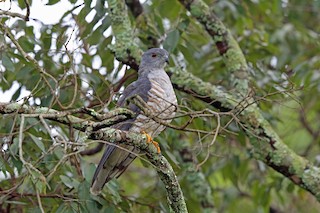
280 40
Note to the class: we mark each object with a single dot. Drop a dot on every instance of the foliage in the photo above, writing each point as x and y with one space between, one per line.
280 40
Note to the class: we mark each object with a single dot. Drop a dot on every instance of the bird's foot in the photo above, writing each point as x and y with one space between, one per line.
150 140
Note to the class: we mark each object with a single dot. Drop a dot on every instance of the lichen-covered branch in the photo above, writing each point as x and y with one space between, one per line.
229 49
66 117
125 49
267 145
196 180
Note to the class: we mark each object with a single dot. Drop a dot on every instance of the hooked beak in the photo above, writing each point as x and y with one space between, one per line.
167 59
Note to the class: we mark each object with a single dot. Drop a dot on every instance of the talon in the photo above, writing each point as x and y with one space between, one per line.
150 140
156 144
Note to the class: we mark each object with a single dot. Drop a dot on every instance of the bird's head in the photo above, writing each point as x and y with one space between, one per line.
154 58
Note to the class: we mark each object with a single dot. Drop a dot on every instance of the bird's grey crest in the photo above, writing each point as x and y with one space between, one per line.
154 58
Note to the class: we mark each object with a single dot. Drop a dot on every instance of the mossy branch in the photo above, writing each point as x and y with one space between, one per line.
125 50
66 117
196 180
227 46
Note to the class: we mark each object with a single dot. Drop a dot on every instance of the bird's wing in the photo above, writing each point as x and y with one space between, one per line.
115 160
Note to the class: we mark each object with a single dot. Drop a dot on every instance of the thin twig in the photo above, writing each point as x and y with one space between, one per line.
216 132
12 14
39 200
74 79
28 10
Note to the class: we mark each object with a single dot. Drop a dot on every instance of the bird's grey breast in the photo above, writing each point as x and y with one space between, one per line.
161 101
161 94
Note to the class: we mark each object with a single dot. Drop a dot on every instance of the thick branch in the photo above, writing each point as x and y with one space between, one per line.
124 49
196 180
228 47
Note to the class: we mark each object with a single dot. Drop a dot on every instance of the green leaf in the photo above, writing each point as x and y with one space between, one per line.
95 37
38 142
41 185
172 157
16 94
52 2
170 9
26 44
171 41
17 164
5 167
26 184
69 182
114 189
105 23
46 39
26 71
7 63
16 202
87 170
21 4
86 60
14 147
83 190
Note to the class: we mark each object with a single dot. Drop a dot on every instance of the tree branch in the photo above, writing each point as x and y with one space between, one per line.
12 14
228 47
196 180
125 50
66 117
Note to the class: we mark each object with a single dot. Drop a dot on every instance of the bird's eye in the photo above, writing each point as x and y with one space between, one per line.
154 55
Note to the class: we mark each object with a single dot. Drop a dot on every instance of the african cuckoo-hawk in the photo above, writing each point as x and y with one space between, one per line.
154 87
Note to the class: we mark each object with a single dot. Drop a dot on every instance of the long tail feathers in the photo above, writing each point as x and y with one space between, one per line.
112 164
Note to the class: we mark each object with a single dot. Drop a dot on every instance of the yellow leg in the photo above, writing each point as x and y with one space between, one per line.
150 140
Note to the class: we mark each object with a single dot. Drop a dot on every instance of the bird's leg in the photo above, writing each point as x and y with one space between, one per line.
150 140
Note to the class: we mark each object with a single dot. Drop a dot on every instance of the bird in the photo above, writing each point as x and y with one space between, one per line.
154 87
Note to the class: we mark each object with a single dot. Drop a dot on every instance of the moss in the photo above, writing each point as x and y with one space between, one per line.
124 48
228 47
311 179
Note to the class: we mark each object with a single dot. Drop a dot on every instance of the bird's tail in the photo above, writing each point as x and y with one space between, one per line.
113 163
